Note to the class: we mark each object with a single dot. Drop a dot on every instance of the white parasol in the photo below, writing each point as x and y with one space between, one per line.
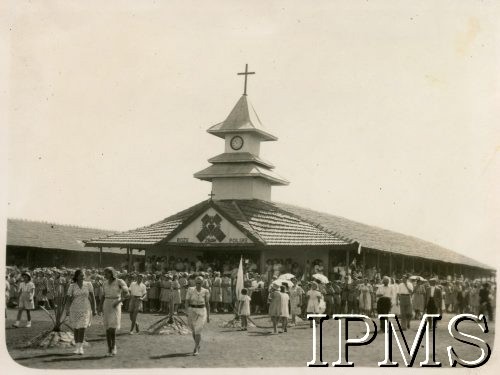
417 278
320 277
280 282
286 276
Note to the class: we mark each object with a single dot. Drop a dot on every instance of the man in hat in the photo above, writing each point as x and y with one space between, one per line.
433 298
448 295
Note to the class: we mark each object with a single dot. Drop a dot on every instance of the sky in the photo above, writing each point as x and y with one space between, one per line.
385 115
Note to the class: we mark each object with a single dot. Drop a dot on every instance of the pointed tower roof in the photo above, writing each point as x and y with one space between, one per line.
242 118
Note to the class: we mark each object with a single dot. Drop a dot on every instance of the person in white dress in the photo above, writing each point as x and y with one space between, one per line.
198 310
296 296
115 291
26 300
285 308
313 300
81 304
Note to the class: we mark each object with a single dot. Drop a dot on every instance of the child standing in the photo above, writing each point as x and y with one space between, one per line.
244 308
285 310
26 299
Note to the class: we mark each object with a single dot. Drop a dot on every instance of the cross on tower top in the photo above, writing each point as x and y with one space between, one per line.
245 73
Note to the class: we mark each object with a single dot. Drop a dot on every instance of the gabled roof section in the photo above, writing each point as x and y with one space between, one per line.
279 224
381 239
242 118
231 217
240 170
43 235
150 234
240 157
261 221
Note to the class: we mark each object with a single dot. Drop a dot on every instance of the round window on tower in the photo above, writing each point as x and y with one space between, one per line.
236 143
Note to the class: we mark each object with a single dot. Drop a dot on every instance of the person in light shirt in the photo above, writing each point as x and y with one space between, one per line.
115 292
138 291
405 290
384 300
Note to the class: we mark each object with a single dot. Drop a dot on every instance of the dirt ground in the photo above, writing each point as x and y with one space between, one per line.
221 347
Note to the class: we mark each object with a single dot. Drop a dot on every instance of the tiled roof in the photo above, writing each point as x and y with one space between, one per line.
37 234
150 234
261 220
232 209
242 118
381 239
279 227
278 224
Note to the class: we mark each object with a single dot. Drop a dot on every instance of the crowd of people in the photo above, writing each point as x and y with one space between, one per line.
284 290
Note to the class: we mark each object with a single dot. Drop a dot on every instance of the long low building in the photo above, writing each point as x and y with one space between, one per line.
268 230
41 244
241 219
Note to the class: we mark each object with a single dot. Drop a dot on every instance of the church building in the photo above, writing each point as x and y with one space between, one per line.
240 218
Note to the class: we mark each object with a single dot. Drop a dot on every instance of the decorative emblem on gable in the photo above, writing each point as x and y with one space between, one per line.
211 230
210 227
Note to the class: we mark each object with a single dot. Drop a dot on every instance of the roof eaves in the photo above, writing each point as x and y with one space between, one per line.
319 226
205 204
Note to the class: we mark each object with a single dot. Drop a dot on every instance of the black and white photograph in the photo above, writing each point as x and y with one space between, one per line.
265 184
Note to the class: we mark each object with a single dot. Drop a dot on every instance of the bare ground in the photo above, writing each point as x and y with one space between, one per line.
221 347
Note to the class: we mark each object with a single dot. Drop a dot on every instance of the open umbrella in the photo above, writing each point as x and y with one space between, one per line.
320 277
417 278
283 282
286 276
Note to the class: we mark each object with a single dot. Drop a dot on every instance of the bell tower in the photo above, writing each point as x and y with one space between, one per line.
240 172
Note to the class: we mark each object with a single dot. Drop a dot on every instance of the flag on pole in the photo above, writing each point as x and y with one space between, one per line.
239 279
